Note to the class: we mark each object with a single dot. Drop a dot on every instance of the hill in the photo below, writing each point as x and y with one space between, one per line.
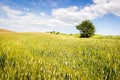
5 31
46 56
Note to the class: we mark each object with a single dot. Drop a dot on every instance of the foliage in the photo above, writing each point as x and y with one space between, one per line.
86 28
53 32
45 56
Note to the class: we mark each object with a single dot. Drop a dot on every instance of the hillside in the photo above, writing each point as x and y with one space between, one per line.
45 56
5 31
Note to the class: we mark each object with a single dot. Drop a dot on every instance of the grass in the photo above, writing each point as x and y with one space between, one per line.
46 56
5 31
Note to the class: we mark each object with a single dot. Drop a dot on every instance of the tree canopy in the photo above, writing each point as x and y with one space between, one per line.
86 28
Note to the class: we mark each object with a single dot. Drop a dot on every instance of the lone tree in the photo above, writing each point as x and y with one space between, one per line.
86 28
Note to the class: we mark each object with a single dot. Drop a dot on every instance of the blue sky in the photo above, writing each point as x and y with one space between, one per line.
60 15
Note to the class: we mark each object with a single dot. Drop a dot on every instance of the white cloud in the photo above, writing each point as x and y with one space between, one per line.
100 1
98 9
109 6
8 10
61 17
30 21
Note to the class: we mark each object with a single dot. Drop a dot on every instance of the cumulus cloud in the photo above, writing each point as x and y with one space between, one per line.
8 10
61 17
93 11
108 6
68 15
25 21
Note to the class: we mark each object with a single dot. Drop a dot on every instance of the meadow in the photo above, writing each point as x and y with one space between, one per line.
47 56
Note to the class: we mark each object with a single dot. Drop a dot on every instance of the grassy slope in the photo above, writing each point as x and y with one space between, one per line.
51 56
5 31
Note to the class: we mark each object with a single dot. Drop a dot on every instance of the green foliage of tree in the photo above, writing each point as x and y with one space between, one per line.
87 29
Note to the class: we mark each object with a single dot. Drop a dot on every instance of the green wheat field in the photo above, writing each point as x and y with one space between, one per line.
50 56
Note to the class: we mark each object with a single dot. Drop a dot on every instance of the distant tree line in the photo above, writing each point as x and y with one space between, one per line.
53 32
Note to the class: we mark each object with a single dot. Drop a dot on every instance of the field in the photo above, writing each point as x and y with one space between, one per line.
47 56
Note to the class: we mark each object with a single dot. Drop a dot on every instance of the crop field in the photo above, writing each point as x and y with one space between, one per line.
47 56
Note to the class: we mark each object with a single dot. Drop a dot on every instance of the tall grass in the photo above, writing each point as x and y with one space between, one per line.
45 56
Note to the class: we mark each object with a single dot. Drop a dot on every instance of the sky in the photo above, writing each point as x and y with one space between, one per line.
60 15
